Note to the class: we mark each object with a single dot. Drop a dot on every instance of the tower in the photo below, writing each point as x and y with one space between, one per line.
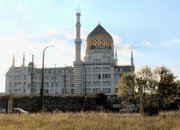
33 89
132 58
116 59
99 61
78 62
13 61
23 61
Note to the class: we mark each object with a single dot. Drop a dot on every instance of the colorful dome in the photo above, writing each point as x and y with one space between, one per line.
99 38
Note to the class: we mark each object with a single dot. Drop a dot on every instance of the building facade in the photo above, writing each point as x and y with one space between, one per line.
57 81
98 72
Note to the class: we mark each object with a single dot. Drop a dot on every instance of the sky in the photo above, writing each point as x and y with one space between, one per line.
150 27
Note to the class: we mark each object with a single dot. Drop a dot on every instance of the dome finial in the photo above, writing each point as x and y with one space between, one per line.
99 22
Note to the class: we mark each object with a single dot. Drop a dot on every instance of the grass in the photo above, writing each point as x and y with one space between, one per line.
89 121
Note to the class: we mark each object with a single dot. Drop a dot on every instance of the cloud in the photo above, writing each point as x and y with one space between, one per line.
117 39
123 54
123 50
53 35
64 46
173 42
61 54
147 43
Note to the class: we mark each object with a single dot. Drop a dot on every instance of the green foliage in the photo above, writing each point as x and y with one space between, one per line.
178 89
145 80
167 87
146 85
126 89
156 89
149 105
178 84
126 84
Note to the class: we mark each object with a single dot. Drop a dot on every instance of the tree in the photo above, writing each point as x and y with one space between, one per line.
127 89
177 98
146 85
167 87
178 89
156 89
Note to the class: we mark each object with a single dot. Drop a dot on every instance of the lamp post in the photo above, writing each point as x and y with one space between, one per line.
42 81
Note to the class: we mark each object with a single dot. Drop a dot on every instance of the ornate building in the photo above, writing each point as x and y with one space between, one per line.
98 72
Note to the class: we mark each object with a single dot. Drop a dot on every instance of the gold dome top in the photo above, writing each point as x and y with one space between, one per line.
99 38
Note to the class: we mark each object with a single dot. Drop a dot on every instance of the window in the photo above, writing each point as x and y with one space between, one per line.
121 69
103 76
29 86
52 84
46 91
56 84
24 77
99 76
10 84
109 76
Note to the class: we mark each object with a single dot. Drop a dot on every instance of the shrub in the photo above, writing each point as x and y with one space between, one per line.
101 99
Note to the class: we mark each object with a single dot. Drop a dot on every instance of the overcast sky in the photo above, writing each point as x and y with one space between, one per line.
150 27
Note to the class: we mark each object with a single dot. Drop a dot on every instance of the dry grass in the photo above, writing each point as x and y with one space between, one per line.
89 121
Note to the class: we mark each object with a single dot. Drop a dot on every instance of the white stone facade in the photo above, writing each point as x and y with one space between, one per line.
57 81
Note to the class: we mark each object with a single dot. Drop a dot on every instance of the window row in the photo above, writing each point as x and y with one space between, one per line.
97 83
97 76
97 69
104 50
96 90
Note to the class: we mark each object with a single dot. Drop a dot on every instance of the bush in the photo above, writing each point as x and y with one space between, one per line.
101 99
149 110
149 105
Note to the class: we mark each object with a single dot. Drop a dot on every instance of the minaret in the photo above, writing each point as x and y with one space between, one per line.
78 62
13 61
132 59
116 59
78 40
23 61
33 90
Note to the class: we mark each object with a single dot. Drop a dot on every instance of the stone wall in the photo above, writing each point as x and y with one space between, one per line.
64 104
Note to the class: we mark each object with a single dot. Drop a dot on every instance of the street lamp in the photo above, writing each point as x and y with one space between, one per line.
42 81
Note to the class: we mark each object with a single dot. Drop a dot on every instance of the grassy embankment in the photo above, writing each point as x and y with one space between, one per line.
89 121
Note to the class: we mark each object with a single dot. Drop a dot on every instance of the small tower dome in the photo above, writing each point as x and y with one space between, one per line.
30 64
